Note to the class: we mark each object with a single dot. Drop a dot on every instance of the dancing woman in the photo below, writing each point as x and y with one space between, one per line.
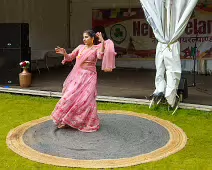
77 108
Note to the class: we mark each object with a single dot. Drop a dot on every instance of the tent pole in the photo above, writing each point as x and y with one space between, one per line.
68 22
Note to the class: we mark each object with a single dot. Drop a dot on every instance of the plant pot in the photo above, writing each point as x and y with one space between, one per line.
25 78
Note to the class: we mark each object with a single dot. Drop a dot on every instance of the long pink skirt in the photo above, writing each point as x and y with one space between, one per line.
77 107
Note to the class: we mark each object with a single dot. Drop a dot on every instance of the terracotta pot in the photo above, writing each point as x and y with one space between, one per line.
25 78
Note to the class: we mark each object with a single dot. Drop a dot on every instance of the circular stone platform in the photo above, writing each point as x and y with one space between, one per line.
124 139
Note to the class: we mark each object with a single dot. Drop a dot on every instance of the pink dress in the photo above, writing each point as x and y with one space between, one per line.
77 107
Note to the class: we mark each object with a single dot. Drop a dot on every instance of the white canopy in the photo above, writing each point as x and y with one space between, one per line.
168 19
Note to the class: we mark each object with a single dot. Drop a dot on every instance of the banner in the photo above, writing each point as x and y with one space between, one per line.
133 37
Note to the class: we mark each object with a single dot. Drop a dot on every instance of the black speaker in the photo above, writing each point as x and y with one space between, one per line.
9 64
14 35
183 89
14 48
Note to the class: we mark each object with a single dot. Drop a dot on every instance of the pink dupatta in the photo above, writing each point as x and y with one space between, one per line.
108 60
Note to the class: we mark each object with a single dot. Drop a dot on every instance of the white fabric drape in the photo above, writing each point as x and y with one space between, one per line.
168 19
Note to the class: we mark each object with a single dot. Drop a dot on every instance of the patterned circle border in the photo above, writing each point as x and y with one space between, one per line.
177 142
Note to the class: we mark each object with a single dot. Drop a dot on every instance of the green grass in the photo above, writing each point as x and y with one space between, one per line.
197 155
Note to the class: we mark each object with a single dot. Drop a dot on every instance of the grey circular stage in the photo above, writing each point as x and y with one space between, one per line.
120 136
126 138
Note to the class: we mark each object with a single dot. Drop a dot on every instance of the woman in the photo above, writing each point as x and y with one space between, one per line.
77 107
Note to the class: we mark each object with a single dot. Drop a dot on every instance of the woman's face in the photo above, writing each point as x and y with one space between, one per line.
87 39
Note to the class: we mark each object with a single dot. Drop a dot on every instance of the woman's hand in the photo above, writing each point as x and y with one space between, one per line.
60 51
99 36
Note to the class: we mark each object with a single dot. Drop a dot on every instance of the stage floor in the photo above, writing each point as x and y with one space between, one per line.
130 83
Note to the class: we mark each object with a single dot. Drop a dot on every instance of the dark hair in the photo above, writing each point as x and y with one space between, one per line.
101 29
92 34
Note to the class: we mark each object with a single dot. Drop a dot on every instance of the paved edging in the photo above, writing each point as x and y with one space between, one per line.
100 98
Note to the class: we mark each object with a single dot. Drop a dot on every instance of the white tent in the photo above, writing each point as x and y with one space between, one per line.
168 19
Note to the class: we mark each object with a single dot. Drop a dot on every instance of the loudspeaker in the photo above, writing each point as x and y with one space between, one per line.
9 64
183 89
14 35
14 48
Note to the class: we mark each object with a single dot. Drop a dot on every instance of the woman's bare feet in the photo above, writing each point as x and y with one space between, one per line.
60 126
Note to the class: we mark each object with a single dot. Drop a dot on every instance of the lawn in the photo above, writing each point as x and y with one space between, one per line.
197 155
